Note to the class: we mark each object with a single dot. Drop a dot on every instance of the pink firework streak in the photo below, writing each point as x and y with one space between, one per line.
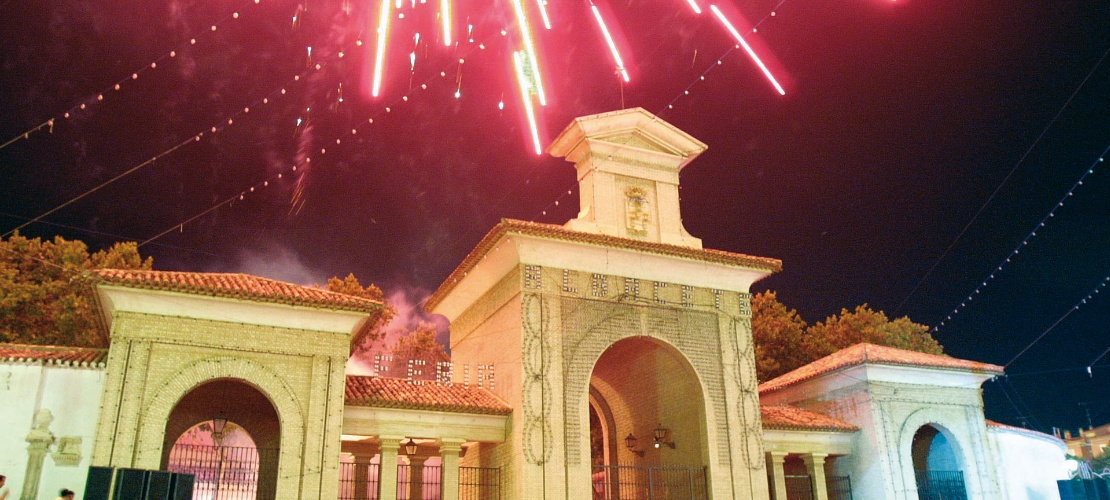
525 63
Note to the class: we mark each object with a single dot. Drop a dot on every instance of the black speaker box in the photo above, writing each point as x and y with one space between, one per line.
158 485
130 484
182 487
98 485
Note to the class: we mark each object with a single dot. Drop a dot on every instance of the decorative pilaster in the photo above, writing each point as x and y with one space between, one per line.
449 450
815 464
778 474
387 474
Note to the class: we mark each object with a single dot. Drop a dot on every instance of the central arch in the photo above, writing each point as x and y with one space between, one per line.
936 464
650 417
227 433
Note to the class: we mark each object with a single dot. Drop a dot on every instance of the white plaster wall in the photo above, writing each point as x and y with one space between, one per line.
1028 465
73 397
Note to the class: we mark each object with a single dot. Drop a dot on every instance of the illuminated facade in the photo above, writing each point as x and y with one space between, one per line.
610 357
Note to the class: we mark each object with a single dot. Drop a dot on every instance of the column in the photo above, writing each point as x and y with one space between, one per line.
449 450
778 475
815 464
387 473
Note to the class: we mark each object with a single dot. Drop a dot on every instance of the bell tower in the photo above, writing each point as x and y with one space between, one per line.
628 163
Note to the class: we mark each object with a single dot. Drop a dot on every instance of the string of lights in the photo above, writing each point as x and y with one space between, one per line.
1081 303
1024 242
123 83
1006 179
195 138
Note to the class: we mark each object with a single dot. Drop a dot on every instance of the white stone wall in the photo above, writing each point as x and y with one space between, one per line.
72 396
1029 463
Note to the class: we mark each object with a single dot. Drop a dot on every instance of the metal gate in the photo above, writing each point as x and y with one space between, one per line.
799 487
222 472
626 482
479 483
358 481
941 485
840 487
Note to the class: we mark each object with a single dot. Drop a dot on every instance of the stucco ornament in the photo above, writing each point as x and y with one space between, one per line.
637 210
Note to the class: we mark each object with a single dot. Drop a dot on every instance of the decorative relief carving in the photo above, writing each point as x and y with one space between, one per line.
68 453
637 209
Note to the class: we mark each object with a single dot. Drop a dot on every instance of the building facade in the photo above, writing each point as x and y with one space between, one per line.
609 357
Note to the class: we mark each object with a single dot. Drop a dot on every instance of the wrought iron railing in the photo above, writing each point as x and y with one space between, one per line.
419 482
840 487
613 482
224 472
359 481
799 487
479 483
941 485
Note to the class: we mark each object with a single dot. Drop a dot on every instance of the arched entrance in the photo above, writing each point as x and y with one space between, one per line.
936 464
647 423
227 433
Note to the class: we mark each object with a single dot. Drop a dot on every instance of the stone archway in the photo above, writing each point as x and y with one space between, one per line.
228 431
157 425
936 459
656 423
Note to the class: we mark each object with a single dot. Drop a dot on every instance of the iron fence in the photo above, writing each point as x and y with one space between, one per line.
840 487
941 485
223 472
627 482
799 487
419 482
358 481
479 483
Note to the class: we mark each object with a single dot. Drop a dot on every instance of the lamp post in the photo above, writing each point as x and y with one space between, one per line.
219 425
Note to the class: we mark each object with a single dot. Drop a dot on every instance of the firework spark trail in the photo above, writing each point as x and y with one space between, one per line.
530 49
526 97
383 31
445 13
609 40
542 6
747 48
694 6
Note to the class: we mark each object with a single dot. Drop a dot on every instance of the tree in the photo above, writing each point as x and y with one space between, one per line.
351 286
866 325
783 342
46 293
777 332
418 345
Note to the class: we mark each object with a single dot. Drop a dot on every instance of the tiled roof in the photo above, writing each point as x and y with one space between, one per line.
790 418
552 231
384 392
873 354
53 355
239 286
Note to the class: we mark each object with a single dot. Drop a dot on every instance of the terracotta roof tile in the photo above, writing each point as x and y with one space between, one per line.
790 418
384 392
53 355
558 232
1031 432
873 354
239 286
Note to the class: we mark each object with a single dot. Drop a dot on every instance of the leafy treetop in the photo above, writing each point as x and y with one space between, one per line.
784 342
351 286
45 292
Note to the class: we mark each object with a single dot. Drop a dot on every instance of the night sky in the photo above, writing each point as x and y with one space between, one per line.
919 143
